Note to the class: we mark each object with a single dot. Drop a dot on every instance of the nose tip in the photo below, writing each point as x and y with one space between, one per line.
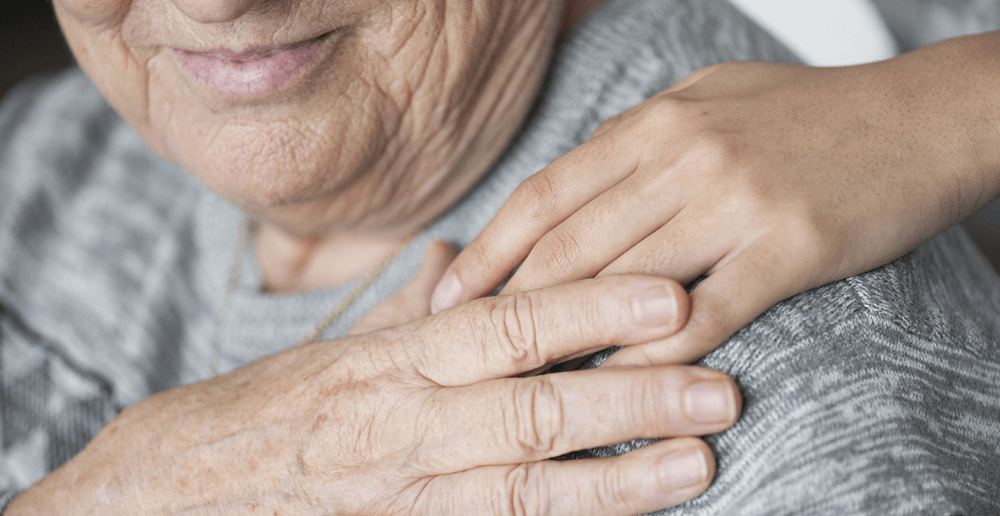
215 11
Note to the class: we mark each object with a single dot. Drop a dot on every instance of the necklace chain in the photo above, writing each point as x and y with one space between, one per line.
235 269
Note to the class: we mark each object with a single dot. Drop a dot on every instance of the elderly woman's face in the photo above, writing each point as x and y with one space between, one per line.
320 114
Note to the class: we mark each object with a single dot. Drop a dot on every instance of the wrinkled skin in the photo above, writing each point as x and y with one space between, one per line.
409 103
295 157
406 105
369 425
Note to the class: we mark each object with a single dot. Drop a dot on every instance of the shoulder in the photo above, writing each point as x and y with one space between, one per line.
65 153
60 139
867 394
943 298
895 366
76 182
94 227
78 192
630 50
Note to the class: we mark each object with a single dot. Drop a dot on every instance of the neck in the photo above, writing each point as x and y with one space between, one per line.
291 263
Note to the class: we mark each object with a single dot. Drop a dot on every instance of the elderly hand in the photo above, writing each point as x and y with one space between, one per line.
421 419
769 179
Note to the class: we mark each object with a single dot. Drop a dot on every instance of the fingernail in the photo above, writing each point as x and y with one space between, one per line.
447 294
683 469
710 402
655 307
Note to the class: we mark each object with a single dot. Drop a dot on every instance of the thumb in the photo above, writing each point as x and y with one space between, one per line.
413 301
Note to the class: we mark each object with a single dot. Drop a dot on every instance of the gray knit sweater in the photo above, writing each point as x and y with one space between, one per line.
875 395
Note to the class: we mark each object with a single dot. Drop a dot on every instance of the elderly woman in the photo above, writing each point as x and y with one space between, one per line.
340 137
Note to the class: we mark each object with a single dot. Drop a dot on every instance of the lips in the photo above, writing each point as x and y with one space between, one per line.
252 72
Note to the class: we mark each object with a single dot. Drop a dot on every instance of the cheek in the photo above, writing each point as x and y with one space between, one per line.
96 13
121 73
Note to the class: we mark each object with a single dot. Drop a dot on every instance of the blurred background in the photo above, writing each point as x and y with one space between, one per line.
29 41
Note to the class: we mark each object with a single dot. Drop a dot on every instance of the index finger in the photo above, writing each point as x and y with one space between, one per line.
507 335
536 206
541 203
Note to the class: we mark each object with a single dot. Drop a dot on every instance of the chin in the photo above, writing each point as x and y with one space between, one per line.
305 198
266 186
269 166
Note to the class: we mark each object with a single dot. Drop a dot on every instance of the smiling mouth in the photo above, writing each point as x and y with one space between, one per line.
252 72
262 52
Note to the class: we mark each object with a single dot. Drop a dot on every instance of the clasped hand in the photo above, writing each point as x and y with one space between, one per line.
425 418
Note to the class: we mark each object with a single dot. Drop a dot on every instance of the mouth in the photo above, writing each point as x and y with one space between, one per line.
252 72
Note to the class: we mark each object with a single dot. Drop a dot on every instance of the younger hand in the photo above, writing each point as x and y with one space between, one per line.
768 179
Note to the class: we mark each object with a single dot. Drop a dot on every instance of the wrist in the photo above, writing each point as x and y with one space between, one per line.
948 94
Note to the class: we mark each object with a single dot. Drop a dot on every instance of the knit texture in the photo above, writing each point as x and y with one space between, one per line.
875 395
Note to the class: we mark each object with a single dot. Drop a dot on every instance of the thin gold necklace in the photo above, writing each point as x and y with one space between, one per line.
235 269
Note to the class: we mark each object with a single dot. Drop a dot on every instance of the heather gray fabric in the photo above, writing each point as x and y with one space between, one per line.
875 395
916 23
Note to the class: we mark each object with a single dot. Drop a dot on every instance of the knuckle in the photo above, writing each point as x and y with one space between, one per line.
710 321
607 125
524 492
607 314
708 70
537 198
650 405
809 236
666 111
613 489
477 260
659 260
697 73
559 253
390 358
694 74
793 264
515 326
794 239
682 108
715 152
537 422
